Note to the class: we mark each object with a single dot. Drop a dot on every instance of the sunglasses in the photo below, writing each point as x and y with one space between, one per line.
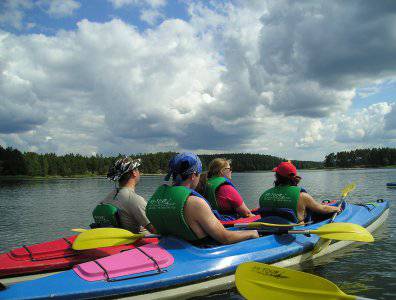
229 168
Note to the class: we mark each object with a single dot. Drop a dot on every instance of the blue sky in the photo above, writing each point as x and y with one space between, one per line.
36 12
295 79
377 93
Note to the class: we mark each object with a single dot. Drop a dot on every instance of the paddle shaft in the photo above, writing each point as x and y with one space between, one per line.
263 224
343 196
339 206
322 244
288 231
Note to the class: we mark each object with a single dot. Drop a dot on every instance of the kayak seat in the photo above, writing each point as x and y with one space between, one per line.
230 220
105 215
224 217
277 215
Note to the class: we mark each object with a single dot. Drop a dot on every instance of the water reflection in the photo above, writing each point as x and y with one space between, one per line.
39 210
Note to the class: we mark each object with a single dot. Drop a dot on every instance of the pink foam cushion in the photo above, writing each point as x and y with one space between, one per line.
126 263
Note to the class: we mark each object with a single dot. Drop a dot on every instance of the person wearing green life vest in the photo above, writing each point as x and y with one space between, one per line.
216 186
122 207
179 210
287 195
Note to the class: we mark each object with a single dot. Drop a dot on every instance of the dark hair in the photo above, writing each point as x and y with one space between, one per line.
281 180
201 187
125 177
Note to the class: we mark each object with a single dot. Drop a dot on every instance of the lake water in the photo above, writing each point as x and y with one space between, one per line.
34 211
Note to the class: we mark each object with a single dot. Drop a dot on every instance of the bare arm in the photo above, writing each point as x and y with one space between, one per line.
150 228
203 222
243 211
307 201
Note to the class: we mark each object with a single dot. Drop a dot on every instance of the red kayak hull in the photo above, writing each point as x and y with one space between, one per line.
58 254
241 220
54 255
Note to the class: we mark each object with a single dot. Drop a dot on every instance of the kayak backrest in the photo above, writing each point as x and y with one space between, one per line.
105 215
268 214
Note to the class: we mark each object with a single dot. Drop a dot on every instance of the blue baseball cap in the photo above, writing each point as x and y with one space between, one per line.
182 165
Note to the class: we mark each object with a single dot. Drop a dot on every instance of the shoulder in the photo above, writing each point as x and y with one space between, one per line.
269 190
128 193
227 189
306 197
196 202
109 196
137 197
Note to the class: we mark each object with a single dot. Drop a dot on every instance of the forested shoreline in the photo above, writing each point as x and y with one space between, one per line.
16 163
364 158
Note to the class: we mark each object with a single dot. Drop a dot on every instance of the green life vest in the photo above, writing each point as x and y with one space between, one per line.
106 215
282 196
211 187
165 210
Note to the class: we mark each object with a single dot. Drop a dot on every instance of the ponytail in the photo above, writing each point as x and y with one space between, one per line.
201 187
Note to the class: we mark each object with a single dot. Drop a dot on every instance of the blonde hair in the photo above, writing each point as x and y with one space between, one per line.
215 168
217 165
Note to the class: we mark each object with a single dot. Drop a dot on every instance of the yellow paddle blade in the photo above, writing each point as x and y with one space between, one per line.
320 245
79 229
263 224
324 243
344 231
104 237
349 188
260 281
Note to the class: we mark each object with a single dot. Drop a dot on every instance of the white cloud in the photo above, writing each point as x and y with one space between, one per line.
150 10
151 3
368 91
257 76
13 12
313 134
73 75
156 3
120 3
150 16
366 126
61 8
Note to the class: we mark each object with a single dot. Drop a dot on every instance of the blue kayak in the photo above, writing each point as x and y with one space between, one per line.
391 185
184 270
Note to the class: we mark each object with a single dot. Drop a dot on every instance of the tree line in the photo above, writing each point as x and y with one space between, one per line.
14 162
375 157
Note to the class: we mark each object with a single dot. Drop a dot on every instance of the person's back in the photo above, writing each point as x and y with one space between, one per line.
287 195
130 207
178 210
217 187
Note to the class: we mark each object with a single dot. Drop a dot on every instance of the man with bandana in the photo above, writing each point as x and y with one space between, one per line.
179 210
122 207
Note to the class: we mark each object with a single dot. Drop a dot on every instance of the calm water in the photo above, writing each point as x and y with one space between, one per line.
38 211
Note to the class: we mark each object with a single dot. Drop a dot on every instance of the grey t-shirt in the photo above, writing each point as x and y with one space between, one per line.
131 209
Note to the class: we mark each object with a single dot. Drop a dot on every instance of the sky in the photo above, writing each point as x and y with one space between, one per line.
294 79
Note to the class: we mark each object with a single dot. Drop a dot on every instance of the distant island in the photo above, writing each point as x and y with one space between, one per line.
361 158
15 163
